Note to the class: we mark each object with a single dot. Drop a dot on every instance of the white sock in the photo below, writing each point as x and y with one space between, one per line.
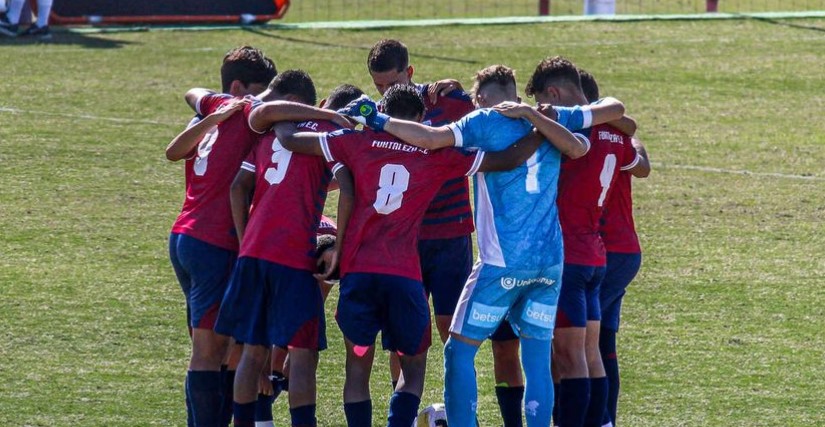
44 9
15 7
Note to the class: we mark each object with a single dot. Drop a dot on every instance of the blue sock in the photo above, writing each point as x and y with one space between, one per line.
403 409
607 347
205 397
573 401
244 414
263 407
538 393
460 388
509 403
359 414
303 416
190 419
227 392
598 402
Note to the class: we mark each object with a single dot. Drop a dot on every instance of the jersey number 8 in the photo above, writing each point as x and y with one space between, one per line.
392 184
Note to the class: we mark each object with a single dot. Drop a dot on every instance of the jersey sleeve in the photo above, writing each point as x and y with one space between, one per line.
336 145
247 112
574 118
209 103
488 130
249 162
629 155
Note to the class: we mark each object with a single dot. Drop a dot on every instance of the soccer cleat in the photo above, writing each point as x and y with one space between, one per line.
8 30
43 33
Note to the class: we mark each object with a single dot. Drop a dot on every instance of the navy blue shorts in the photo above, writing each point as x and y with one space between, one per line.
203 271
396 306
445 267
579 297
272 304
621 269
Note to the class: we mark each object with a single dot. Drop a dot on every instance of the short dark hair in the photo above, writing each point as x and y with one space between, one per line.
388 55
553 71
403 102
342 95
297 83
500 75
589 86
247 65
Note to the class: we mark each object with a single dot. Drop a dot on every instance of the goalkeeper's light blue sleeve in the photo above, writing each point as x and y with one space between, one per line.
574 118
488 130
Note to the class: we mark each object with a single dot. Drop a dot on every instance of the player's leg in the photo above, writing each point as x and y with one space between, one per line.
406 330
13 16
186 285
359 319
247 380
209 269
534 315
621 270
597 407
445 264
509 379
569 346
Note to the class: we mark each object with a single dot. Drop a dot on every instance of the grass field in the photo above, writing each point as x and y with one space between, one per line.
723 327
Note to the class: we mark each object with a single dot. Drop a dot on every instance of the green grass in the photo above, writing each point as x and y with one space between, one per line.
722 327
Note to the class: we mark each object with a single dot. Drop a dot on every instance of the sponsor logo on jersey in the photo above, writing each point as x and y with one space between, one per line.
541 315
486 316
512 282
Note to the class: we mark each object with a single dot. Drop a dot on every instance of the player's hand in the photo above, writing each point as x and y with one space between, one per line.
228 110
442 88
548 111
342 120
329 259
514 110
365 111
264 383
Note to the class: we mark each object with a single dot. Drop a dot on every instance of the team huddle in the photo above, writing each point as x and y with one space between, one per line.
556 241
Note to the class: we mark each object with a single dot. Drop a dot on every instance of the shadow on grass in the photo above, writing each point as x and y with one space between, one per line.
338 45
66 38
786 23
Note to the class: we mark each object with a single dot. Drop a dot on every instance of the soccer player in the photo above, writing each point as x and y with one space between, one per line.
202 244
583 187
624 256
39 29
273 297
381 285
519 241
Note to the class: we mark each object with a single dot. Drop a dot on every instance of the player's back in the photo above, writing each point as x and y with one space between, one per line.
584 186
394 184
290 191
516 215
206 212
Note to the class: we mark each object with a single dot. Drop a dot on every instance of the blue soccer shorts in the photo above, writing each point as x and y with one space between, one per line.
445 266
397 306
526 298
272 304
203 271
579 298
621 269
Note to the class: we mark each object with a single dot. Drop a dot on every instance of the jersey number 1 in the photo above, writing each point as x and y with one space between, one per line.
392 184
606 176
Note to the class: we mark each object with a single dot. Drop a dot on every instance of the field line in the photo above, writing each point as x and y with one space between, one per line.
88 117
738 172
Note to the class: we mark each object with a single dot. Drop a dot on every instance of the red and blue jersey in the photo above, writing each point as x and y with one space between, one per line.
618 230
584 186
206 214
290 191
327 226
449 214
394 184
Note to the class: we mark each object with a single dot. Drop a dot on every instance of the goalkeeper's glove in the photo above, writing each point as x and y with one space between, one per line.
364 111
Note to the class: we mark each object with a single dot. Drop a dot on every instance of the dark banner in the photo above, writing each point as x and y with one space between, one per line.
104 8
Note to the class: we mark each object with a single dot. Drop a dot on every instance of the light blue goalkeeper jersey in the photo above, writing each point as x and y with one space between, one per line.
515 211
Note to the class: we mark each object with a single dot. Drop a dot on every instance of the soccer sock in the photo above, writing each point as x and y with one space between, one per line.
607 347
538 393
263 409
15 8
279 383
598 402
403 409
190 419
509 403
460 388
244 414
205 396
44 8
303 416
227 390
556 394
573 401
359 414
394 384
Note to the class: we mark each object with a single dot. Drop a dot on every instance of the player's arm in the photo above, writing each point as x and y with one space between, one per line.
267 114
642 167
568 144
346 200
626 125
194 95
186 141
366 112
240 198
299 142
513 155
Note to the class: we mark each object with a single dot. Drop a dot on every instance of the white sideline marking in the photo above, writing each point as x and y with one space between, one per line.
87 117
738 172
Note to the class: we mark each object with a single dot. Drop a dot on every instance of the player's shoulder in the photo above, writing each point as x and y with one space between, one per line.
318 126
